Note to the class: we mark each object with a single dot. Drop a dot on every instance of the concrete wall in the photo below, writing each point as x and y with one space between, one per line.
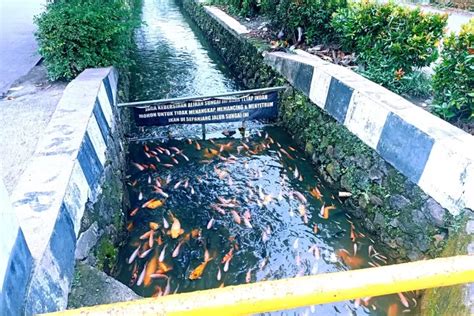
365 139
432 153
64 174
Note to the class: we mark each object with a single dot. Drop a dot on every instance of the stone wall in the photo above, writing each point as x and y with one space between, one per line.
71 187
340 128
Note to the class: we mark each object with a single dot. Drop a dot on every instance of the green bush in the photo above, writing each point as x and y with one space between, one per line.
77 34
390 41
453 81
314 16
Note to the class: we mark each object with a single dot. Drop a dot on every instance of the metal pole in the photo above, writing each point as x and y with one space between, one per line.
203 131
283 294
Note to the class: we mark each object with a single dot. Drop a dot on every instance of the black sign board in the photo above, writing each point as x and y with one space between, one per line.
250 105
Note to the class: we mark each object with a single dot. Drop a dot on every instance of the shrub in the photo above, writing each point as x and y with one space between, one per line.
314 16
390 41
453 81
76 34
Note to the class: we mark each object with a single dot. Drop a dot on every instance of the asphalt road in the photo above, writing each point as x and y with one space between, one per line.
18 48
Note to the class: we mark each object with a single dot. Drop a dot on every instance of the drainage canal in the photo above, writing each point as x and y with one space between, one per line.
242 205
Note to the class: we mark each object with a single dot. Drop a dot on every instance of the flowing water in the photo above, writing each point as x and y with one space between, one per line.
249 201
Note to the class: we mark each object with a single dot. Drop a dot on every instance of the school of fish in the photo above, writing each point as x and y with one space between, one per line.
163 241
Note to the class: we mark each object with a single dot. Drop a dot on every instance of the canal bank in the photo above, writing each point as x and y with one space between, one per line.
409 222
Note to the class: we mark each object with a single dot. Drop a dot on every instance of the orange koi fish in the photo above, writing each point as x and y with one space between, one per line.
176 229
316 193
392 310
325 211
197 272
150 269
153 204
353 262
163 268
154 225
198 147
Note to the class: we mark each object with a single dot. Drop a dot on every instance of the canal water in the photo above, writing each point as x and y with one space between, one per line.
242 205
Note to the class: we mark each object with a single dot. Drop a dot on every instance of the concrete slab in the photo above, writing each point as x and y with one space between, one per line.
24 115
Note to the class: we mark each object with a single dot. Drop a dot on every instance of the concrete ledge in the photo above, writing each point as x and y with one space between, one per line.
226 20
426 149
49 201
432 153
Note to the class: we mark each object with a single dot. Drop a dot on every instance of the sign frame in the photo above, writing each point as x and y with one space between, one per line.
226 107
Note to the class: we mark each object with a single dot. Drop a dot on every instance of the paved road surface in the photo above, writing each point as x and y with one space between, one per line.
17 43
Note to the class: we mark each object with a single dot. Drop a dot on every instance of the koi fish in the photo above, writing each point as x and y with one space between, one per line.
300 197
139 166
184 156
210 223
228 255
197 272
140 196
296 174
353 235
162 254
325 211
163 268
145 253
392 310
198 147
247 222
166 225
146 235
236 216
134 211
133 255
219 274
286 153
154 225
130 226
176 250
217 209
167 165
161 192
158 276
353 262
142 276
150 268
153 204
176 229
176 186
403 300
316 193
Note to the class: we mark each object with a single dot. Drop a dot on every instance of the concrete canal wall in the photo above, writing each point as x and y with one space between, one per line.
411 174
63 195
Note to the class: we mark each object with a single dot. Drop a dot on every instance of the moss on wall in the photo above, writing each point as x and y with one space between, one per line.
451 297
405 221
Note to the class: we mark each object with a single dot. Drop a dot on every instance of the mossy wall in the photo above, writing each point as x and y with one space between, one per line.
407 223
